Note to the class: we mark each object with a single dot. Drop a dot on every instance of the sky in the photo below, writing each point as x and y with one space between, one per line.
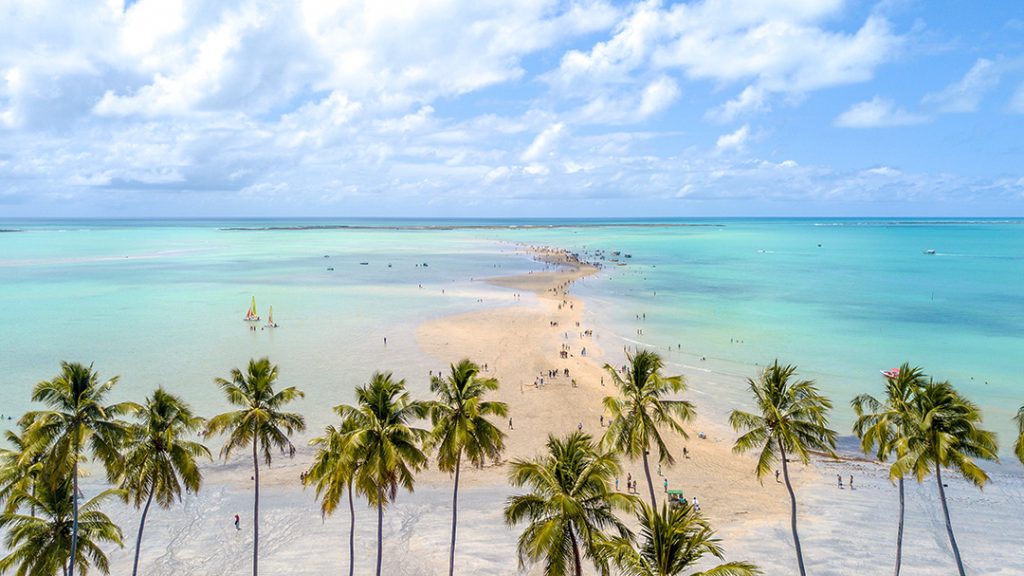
524 108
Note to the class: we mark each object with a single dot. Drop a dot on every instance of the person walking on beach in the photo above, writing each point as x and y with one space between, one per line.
238 521
851 481
776 475
616 483
666 485
839 478
696 505
510 424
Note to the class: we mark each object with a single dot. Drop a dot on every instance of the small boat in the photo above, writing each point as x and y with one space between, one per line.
891 373
627 255
250 315
331 269
930 251
364 263
270 318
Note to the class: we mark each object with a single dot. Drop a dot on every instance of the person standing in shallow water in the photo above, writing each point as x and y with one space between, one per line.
238 521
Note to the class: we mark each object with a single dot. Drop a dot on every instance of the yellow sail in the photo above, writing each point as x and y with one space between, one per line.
270 316
252 309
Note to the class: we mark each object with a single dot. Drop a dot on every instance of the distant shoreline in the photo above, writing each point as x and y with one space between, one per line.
470 226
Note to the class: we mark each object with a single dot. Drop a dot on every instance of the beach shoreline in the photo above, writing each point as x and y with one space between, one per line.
843 531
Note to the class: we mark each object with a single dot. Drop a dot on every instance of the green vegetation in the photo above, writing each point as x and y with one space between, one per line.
78 424
883 425
570 514
569 505
43 542
792 419
641 408
944 431
460 427
1018 447
673 540
159 460
259 422
390 448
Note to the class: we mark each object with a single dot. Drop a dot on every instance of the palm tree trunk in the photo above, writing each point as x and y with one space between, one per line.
899 533
455 514
74 523
380 527
578 563
138 539
650 483
256 513
351 532
792 500
949 525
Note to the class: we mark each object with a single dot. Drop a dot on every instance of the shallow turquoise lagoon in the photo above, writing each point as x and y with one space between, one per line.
161 302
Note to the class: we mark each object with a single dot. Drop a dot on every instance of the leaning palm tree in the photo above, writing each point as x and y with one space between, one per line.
78 423
641 409
391 447
944 432
569 506
41 545
462 429
791 418
1018 447
880 425
672 541
259 422
159 460
333 472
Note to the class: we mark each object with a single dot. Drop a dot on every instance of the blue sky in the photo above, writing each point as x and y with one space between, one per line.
497 108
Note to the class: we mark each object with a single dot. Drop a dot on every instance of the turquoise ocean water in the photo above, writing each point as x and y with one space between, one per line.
161 302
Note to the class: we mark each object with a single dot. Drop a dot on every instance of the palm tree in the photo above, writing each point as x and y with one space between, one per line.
391 447
673 540
259 421
1018 447
41 545
944 432
569 505
21 464
792 418
641 409
461 427
158 460
77 423
333 472
880 425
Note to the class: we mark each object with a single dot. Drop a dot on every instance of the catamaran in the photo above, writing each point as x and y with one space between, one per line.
250 315
891 373
270 318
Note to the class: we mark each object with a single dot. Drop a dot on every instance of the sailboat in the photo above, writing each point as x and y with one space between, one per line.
270 318
250 315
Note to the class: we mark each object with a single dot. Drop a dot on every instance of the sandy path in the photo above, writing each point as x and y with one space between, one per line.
520 343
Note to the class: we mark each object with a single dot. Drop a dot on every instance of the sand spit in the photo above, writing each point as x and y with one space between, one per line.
843 531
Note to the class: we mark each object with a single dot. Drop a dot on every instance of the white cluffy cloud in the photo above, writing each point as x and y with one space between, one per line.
782 46
545 144
966 95
734 140
875 113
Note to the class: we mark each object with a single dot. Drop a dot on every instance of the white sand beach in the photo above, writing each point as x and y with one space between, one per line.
843 531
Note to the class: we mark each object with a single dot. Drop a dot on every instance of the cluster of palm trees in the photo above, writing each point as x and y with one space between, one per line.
571 511
919 427
572 515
